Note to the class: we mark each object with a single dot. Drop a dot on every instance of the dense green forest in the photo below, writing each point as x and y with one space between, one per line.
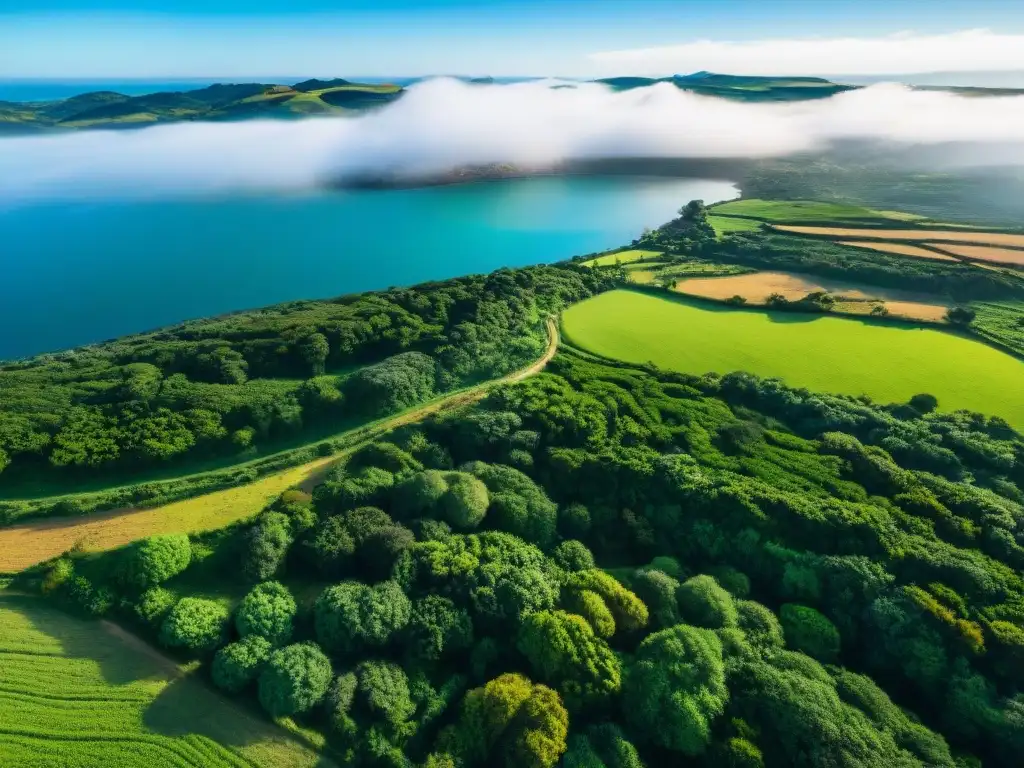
221 387
606 566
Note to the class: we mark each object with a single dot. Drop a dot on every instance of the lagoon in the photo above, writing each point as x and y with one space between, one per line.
73 273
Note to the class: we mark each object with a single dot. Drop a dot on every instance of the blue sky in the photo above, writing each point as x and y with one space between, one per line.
239 38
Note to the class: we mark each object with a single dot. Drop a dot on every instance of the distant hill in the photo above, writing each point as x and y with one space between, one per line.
241 101
739 87
232 101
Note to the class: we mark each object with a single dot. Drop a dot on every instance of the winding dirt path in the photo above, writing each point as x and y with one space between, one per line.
27 544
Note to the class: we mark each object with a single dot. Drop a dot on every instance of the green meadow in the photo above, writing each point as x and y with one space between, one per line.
726 225
622 257
887 362
76 693
793 211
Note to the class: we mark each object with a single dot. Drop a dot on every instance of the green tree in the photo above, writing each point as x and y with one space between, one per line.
314 349
465 502
154 605
437 626
238 664
809 631
704 603
658 591
509 722
573 556
195 624
294 680
267 611
154 560
268 543
629 611
351 617
590 606
564 652
676 688
760 625
419 494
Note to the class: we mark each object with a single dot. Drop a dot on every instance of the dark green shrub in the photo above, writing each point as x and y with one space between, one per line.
573 556
808 631
154 605
268 543
267 611
465 502
156 559
353 616
436 627
704 603
195 624
237 665
294 680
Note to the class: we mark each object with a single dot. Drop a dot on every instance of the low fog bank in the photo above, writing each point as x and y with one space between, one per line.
443 127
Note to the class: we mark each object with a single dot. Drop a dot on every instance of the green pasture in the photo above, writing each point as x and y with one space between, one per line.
886 362
805 211
74 693
725 225
622 257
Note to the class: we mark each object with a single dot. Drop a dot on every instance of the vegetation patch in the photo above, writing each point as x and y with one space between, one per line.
885 362
609 565
78 692
622 257
796 211
724 225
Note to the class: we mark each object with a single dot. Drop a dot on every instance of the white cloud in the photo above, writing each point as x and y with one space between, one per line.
442 124
974 50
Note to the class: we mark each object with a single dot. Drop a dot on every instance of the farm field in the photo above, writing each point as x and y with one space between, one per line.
758 286
77 693
900 249
724 225
805 210
917 235
984 253
27 544
622 257
831 354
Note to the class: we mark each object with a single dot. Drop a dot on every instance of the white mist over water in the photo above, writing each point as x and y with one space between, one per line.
443 124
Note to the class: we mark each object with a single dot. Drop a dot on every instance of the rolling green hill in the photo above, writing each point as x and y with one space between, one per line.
236 101
740 87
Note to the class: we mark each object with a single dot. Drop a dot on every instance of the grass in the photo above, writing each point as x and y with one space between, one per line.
621 257
887 362
1002 322
724 225
805 211
82 693
25 545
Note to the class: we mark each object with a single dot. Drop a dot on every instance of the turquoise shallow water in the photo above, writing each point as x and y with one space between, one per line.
75 273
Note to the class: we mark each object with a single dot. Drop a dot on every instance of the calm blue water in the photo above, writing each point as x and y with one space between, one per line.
75 273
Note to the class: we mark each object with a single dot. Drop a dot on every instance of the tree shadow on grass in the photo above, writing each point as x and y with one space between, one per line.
80 638
189 705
